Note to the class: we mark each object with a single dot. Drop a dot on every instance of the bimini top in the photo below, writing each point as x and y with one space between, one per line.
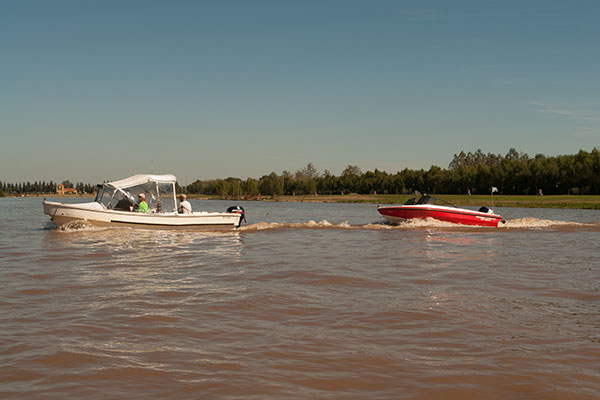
141 179
121 195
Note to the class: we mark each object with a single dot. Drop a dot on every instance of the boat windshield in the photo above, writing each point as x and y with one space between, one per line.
98 193
434 201
105 195
160 196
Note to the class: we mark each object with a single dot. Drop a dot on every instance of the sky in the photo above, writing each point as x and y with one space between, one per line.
101 90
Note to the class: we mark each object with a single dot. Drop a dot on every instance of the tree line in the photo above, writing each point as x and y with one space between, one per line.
43 187
472 172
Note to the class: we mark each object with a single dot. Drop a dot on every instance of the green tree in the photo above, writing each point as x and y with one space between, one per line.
306 179
350 179
235 188
327 183
594 166
270 185
250 187
435 180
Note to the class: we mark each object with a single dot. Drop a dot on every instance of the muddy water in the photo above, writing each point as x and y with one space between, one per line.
306 301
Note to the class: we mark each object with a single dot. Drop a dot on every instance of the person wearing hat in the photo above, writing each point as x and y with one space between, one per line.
184 206
142 206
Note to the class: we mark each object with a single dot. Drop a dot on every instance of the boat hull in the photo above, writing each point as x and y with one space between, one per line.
463 216
94 214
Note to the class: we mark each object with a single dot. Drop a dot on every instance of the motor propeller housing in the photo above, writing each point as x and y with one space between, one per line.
238 210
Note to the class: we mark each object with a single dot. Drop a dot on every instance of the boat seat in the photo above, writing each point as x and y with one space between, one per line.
123 205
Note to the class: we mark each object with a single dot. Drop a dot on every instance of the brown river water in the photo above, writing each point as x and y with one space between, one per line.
306 301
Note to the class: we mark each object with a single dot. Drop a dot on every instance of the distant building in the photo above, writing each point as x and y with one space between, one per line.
62 190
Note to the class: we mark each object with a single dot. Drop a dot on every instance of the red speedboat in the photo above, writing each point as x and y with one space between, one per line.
432 207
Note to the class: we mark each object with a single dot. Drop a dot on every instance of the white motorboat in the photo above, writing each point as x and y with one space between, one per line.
115 203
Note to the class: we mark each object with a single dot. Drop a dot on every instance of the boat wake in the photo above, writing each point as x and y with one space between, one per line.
520 223
324 224
534 223
511 224
76 226
72 226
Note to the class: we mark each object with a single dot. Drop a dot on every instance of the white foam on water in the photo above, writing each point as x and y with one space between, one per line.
418 223
535 223
324 224
79 225
519 223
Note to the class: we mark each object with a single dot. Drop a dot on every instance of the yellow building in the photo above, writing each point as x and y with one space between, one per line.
62 190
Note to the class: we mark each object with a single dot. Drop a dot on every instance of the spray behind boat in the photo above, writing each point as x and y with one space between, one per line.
238 210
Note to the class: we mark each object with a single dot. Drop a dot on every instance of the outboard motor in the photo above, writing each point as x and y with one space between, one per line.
238 210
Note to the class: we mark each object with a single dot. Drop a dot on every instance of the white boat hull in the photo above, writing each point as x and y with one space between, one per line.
95 214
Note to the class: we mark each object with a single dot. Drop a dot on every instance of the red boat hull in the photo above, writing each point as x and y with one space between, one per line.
396 214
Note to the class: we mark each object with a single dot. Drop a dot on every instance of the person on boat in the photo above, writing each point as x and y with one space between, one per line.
141 206
184 206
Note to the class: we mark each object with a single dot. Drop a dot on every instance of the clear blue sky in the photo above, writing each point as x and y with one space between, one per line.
95 90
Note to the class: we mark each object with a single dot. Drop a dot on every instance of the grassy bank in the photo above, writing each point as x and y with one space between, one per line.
563 201
591 202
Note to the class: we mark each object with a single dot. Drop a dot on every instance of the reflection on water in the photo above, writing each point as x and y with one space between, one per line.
307 301
146 262
147 243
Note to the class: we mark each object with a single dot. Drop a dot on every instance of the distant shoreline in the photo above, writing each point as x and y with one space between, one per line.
591 202
48 195
586 202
